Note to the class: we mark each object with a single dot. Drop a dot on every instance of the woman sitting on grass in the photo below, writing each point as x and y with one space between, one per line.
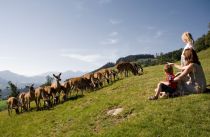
196 82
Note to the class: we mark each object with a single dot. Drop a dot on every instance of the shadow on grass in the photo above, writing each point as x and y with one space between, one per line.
75 97
106 85
207 89
111 83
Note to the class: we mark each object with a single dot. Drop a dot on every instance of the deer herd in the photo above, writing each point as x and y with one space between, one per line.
57 92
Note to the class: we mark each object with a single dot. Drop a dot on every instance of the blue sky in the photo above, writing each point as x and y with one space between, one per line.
37 36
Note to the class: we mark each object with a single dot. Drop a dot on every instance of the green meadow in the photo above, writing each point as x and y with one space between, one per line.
2 105
186 116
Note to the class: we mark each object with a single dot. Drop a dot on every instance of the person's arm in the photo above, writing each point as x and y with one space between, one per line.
186 71
178 66
175 65
183 68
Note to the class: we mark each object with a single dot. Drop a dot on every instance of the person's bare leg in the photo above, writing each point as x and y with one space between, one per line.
158 90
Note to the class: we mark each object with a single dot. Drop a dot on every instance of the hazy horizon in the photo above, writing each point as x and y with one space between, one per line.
45 73
82 35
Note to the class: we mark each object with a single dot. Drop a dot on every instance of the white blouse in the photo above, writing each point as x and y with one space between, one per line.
188 46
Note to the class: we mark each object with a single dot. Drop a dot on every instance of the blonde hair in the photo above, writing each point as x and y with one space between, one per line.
187 37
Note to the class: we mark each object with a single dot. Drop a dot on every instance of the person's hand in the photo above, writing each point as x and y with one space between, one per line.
171 64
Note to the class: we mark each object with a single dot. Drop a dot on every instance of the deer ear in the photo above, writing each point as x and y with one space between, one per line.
54 75
60 74
32 85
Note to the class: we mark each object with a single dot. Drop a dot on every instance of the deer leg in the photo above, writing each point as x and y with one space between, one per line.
36 104
8 108
29 104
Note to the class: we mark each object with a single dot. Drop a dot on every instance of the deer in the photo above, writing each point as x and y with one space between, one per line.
57 89
29 96
79 83
40 93
12 103
21 98
126 67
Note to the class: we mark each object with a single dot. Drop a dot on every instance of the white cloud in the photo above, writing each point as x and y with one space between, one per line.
85 58
113 34
109 42
115 21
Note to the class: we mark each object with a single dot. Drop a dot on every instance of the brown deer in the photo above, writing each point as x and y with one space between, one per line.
100 77
57 88
106 73
79 84
126 67
138 67
114 74
21 98
66 88
94 81
47 93
29 96
40 93
48 90
12 103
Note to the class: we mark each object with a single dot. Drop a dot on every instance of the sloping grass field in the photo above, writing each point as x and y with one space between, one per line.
2 105
186 116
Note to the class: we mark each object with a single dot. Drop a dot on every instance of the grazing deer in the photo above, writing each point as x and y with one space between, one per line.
106 73
94 81
12 103
138 67
79 84
48 90
100 77
114 74
126 67
40 93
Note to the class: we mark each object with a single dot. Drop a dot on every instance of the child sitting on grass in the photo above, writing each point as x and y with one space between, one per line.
165 87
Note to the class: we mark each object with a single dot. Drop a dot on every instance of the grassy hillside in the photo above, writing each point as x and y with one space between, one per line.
2 105
87 116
